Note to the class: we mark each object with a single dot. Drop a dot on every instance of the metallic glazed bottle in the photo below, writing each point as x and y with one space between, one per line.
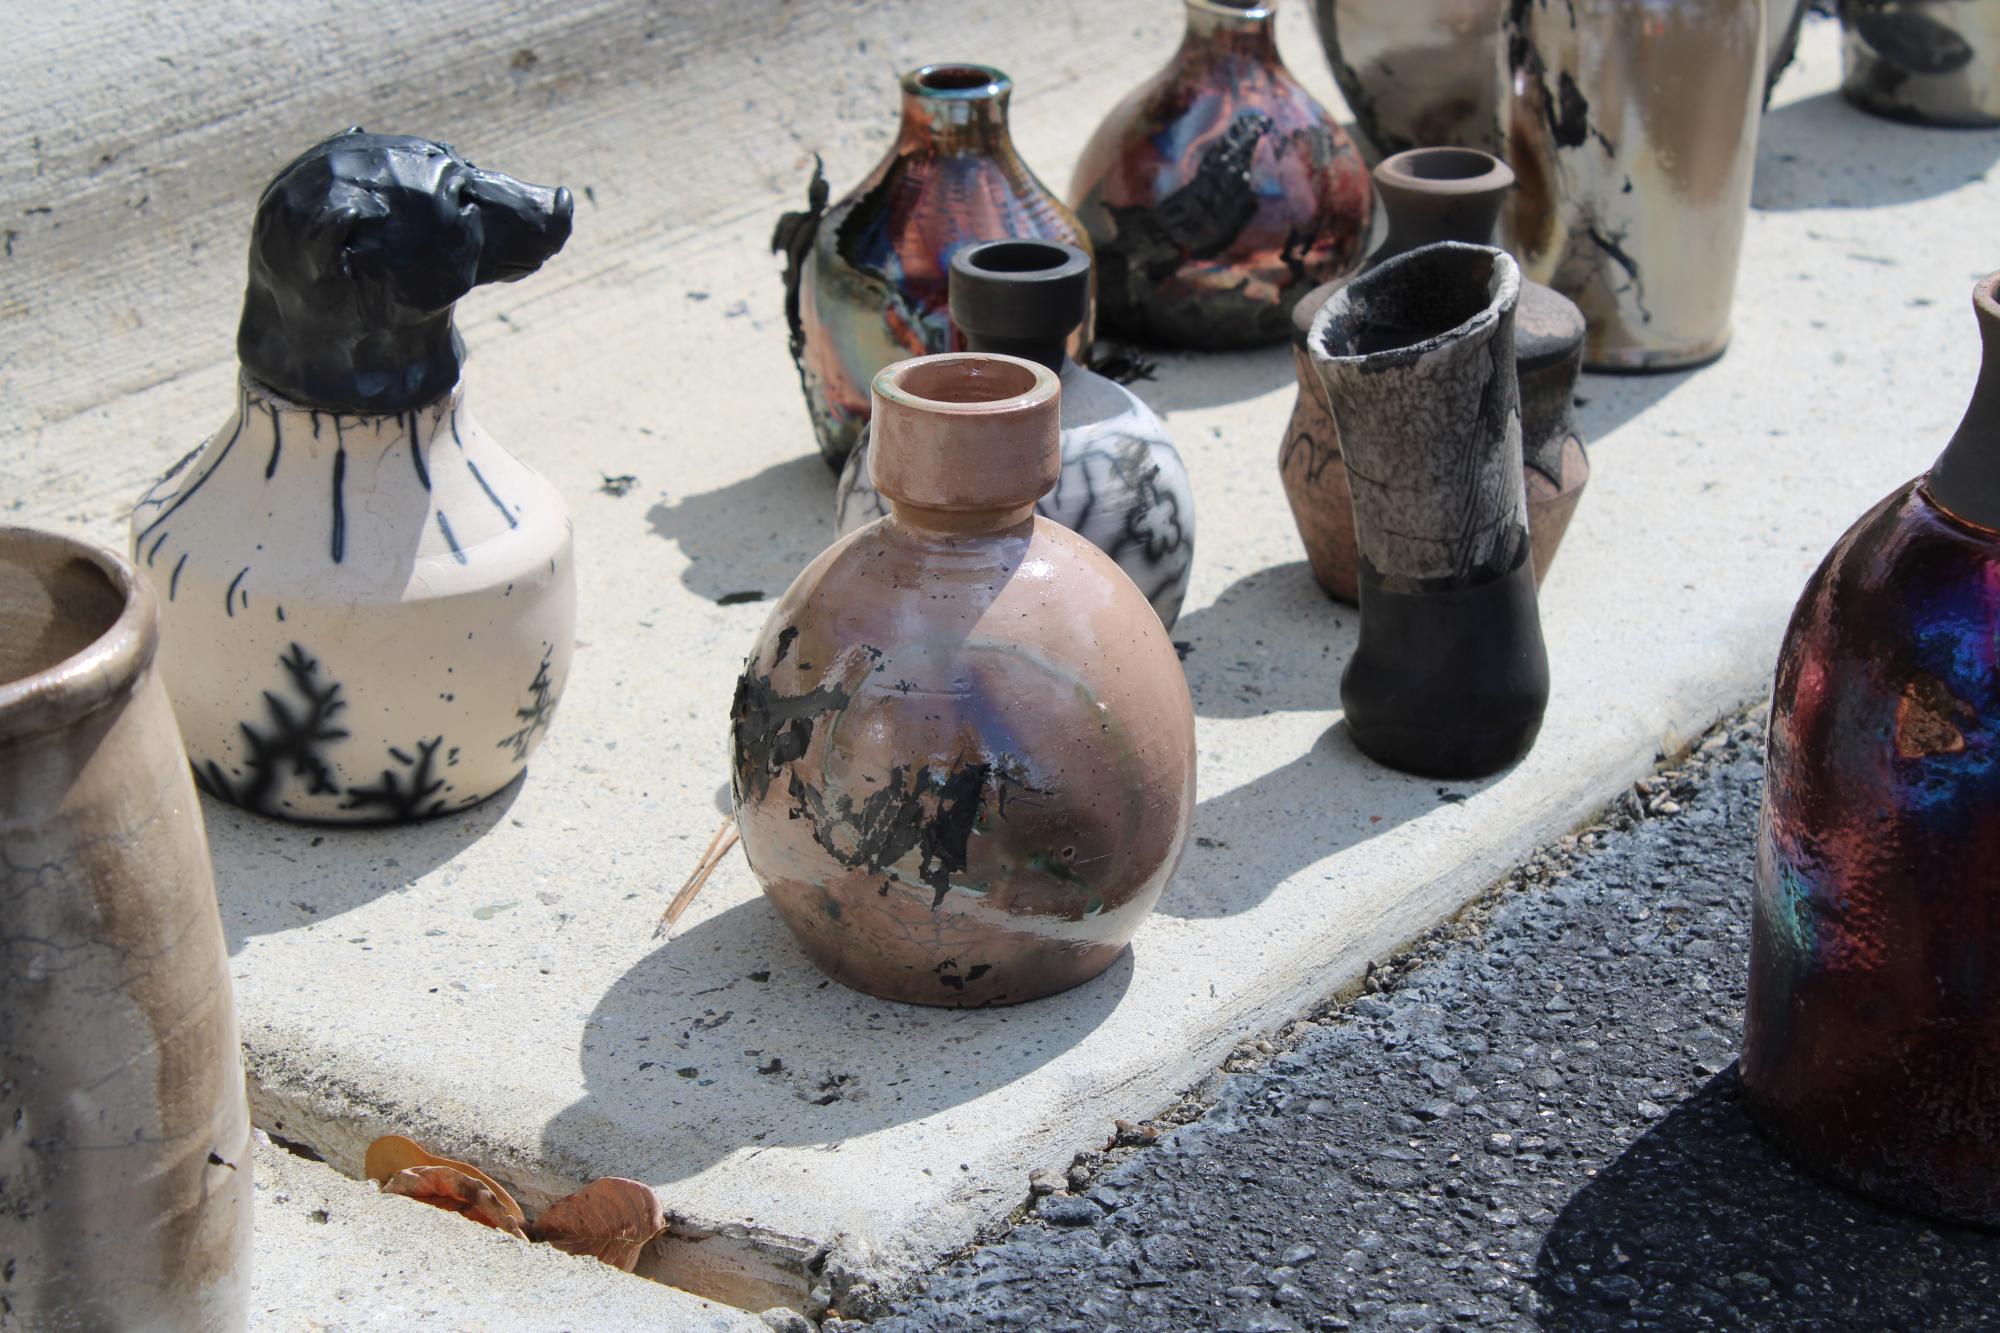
1418 73
1935 62
962 749
1871 1049
1633 130
866 279
1219 192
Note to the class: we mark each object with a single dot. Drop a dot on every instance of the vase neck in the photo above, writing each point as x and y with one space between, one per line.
1440 194
956 109
1020 297
1966 478
1244 28
966 442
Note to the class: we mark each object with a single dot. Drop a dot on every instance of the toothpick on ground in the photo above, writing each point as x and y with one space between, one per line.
718 847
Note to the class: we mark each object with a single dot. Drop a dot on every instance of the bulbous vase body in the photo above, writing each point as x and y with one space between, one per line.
364 619
962 748
1219 192
1934 62
1418 74
1633 130
125 1154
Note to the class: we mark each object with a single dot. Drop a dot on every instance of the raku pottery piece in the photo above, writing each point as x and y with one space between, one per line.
1934 62
962 750
1633 129
1872 1044
1432 195
1418 73
1450 677
1122 487
1219 192
866 280
368 605
124 1133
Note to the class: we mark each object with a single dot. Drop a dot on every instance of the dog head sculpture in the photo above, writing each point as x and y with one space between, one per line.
360 248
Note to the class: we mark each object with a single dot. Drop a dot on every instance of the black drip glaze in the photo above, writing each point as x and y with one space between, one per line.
1020 298
360 249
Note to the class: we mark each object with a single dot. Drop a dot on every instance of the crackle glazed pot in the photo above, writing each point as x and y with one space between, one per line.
866 280
1432 195
124 1134
1219 192
367 604
962 749
1418 73
1633 130
1872 1043
1122 487
1450 676
1934 62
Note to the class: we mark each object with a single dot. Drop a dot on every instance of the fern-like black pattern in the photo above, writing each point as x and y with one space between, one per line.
539 711
292 742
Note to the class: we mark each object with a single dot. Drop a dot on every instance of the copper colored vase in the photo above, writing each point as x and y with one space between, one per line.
962 750
1220 191
1432 195
1872 1043
866 280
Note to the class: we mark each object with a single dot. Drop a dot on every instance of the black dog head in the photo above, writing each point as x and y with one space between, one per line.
359 250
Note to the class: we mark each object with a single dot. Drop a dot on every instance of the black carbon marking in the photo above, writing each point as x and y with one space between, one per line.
174 583
339 504
444 526
229 597
497 503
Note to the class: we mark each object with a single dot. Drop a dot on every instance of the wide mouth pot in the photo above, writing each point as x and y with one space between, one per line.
957 82
1445 171
966 432
1414 304
967 384
78 626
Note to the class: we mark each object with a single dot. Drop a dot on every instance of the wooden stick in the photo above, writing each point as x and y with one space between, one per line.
718 847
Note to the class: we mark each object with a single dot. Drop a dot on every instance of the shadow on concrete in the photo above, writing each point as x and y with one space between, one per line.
1272 642
1606 402
1186 380
1822 152
674 1081
753 535
1702 1224
273 875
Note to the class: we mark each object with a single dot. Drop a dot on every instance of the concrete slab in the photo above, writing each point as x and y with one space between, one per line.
490 984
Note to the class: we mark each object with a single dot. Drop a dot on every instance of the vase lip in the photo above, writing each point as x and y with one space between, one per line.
1365 303
1445 171
957 81
957 384
966 432
102 671
1249 11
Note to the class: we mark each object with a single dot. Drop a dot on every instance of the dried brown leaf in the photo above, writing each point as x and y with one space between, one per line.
392 1153
611 1219
451 1189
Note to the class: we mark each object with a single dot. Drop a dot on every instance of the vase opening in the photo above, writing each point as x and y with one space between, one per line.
1259 11
965 82
1417 301
959 382
1463 168
75 629
1019 257
970 433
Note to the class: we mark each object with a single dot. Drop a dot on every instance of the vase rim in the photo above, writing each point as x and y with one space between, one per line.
1246 10
921 382
105 669
1503 291
1445 171
957 81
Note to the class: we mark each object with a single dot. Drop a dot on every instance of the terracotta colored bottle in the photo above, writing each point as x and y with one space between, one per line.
1450 676
1219 192
1432 195
866 279
1418 73
1872 1044
962 749
1932 62
1122 486
124 1135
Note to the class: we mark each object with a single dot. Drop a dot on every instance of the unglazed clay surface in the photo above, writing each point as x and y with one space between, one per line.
124 1134
363 618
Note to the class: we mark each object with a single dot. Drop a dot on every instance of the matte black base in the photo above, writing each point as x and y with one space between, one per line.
1448 684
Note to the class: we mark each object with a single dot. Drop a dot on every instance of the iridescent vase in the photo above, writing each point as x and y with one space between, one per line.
1220 192
866 284
1872 1046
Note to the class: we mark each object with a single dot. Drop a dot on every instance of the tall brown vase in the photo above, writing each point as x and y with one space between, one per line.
124 1134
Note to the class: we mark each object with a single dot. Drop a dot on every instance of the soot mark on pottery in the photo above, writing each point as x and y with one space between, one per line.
174 583
539 711
444 526
498 504
932 812
229 597
188 492
771 729
793 238
413 793
949 975
339 504
786 637
417 451
277 440
1613 246
291 743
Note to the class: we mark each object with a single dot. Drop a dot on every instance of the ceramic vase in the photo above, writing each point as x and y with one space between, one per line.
866 280
1633 130
125 1154
1432 195
1450 676
962 749
1122 487
1219 192
1872 1043
1418 73
367 604
1933 62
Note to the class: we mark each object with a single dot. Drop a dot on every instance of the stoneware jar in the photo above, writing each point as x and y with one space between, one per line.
1872 1043
1219 192
368 605
866 280
124 1134
1934 62
962 749
1418 73
1633 129
1122 485
1432 195
1450 677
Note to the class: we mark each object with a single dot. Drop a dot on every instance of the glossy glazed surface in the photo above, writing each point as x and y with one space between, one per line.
1419 73
1935 62
1219 192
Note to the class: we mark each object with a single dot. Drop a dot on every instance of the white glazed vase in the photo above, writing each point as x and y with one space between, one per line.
364 619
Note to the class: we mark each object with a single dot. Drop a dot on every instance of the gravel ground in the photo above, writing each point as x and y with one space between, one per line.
1529 1120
